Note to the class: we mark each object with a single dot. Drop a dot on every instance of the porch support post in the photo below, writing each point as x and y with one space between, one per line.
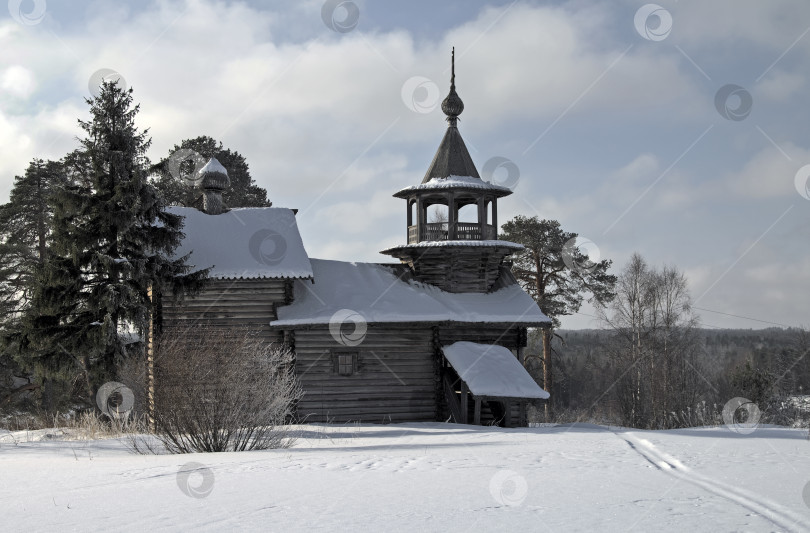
477 416
522 414
465 392
522 422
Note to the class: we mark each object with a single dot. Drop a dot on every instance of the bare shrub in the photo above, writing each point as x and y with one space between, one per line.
597 414
789 411
73 425
702 414
220 390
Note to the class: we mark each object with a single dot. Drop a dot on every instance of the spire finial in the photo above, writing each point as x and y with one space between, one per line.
452 105
453 68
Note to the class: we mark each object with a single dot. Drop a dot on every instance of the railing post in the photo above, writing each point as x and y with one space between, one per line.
482 217
420 219
494 219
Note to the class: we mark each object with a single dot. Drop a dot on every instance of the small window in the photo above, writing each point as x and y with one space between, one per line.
344 363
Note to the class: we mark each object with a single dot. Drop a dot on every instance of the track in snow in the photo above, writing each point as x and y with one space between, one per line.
779 515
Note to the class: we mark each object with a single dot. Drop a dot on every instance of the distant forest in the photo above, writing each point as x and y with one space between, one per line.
768 366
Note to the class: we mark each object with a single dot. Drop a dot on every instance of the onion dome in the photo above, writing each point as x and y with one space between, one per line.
213 179
452 105
214 176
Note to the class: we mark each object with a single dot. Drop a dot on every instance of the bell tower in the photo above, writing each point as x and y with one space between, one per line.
456 256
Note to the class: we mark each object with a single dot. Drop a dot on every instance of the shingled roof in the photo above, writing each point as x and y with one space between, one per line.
452 158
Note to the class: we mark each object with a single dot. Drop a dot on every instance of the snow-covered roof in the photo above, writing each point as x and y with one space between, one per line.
434 244
213 165
378 295
492 370
456 182
250 242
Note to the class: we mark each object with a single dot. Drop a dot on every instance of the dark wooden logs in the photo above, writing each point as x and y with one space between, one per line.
393 379
456 268
230 304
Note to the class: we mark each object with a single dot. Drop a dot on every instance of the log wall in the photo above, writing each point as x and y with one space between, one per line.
394 379
230 304
509 337
398 369
398 373
457 269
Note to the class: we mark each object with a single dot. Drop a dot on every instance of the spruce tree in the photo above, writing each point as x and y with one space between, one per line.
112 241
174 175
557 275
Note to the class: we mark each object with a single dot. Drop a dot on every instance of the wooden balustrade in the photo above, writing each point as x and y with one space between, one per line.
439 231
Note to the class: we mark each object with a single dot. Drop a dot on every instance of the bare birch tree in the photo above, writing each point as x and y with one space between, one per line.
655 347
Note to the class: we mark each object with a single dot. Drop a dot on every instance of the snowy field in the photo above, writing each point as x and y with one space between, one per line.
419 477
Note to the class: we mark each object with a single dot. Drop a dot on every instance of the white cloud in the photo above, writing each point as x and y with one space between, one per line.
48 134
643 168
769 172
771 289
779 86
320 119
216 68
17 81
729 23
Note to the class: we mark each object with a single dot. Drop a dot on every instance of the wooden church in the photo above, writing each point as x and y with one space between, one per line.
438 336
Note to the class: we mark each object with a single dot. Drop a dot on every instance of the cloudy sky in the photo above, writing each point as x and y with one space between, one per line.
679 131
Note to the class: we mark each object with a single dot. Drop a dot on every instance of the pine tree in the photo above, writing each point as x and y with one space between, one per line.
557 275
25 231
25 223
112 241
174 176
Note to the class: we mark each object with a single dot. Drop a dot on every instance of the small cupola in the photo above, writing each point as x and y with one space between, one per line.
459 250
213 179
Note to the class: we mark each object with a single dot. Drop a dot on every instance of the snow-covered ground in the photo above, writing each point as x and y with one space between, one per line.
419 477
